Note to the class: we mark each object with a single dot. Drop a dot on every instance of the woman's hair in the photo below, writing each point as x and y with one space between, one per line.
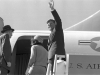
36 42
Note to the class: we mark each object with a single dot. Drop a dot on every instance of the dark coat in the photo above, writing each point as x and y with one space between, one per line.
6 56
56 39
7 49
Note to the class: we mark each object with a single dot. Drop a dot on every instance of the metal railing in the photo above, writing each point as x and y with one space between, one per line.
57 57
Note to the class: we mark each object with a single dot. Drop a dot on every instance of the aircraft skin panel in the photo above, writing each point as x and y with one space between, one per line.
76 42
82 43
18 34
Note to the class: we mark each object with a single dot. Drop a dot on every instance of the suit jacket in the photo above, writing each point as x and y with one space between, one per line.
56 39
6 55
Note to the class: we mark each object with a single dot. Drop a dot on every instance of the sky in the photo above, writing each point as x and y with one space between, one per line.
33 14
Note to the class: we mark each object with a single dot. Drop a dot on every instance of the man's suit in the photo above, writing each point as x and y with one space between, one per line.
6 56
56 39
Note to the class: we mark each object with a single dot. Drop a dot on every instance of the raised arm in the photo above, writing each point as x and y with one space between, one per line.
55 14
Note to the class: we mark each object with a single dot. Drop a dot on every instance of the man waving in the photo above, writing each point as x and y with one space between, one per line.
56 38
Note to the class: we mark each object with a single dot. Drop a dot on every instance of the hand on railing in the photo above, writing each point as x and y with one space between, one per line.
27 71
48 69
9 64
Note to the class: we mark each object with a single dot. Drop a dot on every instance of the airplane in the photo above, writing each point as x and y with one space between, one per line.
79 45
82 49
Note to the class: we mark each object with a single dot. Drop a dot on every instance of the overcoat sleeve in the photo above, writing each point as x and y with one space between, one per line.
7 49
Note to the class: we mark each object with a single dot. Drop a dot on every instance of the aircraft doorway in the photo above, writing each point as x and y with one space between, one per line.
23 46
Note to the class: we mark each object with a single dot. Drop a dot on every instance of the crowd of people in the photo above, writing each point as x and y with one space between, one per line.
41 60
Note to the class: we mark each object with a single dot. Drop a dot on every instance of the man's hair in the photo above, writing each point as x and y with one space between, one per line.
51 20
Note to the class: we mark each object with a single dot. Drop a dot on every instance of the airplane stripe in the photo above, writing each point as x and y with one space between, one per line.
84 42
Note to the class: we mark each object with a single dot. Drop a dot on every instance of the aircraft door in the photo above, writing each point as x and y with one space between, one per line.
23 46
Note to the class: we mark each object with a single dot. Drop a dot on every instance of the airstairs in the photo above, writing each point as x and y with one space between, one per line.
59 67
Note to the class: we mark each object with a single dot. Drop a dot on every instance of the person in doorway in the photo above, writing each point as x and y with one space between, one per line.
38 59
56 38
5 52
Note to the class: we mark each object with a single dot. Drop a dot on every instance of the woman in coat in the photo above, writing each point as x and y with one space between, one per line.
38 59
